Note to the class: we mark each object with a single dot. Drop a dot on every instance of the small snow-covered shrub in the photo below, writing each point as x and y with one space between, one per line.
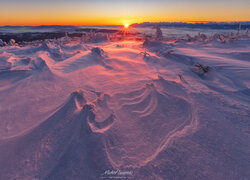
145 54
97 51
153 45
200 37
200 69
181 77
215 37
233 36
222 37
1 42
119 46
93 37
246 33
146 42
203 37
12 42
189 38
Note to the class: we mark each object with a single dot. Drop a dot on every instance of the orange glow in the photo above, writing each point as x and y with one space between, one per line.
118 12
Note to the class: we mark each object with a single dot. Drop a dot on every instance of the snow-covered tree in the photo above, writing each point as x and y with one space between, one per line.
159 35
239 29
189 38
12 42
246 33
1 42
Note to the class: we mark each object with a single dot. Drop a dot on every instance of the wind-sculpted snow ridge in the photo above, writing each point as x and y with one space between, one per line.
47 151
41 70
15 68
149 118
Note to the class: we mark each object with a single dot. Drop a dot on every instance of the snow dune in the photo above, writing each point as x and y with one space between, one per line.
163 110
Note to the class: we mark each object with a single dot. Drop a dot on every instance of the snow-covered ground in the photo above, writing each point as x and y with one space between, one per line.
153 110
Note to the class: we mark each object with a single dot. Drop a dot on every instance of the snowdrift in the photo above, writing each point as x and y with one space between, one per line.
51 146
159 109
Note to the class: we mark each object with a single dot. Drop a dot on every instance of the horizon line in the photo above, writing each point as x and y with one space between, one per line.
187 22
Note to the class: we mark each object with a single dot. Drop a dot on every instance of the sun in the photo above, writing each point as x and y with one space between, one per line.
126 25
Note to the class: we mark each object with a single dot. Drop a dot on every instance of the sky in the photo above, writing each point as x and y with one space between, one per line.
119 12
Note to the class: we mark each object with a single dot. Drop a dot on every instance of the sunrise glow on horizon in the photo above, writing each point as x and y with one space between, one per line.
111 12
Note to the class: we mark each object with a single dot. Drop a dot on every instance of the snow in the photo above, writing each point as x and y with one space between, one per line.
75 108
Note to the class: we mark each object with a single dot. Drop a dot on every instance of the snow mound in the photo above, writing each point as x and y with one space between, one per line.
54 50
41 69
5 65
46 151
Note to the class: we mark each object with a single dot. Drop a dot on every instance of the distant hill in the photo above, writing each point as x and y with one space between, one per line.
209 25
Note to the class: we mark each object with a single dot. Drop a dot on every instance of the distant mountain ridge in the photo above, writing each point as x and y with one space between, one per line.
209 25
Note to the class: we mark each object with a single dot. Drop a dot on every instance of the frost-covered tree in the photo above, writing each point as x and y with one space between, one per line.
67 37
239 29
203 37
222 38
246 33
1 42
159 35
189 38
12 42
